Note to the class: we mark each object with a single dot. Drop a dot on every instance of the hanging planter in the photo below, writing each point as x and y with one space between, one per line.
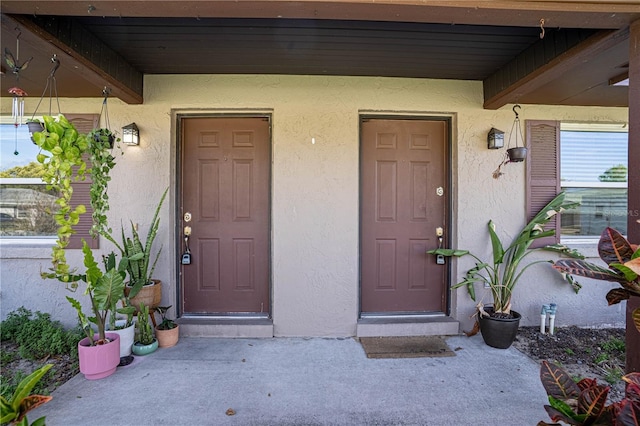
517 155
35 126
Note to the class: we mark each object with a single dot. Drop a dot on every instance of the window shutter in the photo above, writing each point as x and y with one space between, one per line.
84 123
543 172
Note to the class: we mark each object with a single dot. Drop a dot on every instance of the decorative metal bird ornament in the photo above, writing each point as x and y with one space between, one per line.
13 63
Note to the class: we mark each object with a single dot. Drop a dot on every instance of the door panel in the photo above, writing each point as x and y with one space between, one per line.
225 187
403 163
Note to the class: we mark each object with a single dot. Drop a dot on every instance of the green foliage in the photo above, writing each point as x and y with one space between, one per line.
139 267
623 261
38 336
613 375
104 290
31 170
62 160
166 323
503 272
11 326
144 333
585 402
14 409
102 162
614 174
614 345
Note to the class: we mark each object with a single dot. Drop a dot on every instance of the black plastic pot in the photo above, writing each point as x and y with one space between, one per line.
34 126
516 155
499 332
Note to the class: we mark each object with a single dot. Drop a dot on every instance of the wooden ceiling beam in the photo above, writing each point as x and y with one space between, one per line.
125 82
529 81
557 14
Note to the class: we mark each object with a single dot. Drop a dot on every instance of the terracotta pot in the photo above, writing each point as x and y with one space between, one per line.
499 332
167 338
140 349
150 295
98 362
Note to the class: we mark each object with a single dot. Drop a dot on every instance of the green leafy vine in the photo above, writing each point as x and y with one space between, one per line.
62 150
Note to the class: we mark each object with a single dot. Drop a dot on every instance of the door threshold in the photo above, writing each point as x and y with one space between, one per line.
226 326
403 325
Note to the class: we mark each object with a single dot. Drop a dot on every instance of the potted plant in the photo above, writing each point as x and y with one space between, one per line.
123 327
142 288
102 162
167 332
99 353
34 125
623 260
104 137
145 343
499 322
62 151
62 157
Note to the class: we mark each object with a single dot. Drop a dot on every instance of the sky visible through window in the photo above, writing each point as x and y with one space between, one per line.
585 156
27 150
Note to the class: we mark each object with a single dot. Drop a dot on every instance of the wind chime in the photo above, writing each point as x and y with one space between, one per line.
17 106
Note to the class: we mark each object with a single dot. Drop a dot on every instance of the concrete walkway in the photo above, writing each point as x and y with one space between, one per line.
298 381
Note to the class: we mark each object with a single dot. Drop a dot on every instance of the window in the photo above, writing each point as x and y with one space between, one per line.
593 172
589 162
24 199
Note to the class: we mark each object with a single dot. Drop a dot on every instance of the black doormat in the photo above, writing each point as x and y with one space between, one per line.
405 347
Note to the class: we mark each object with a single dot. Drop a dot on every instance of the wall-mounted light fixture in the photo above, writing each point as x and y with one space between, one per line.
495 139
131 134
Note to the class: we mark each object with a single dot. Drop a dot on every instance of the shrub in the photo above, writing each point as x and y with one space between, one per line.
38 337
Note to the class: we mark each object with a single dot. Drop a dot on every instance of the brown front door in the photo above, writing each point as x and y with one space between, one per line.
225 188
403 203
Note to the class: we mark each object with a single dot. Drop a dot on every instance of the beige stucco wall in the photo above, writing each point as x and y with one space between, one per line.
315 189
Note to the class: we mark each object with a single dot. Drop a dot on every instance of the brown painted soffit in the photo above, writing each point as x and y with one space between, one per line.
565 14
574 14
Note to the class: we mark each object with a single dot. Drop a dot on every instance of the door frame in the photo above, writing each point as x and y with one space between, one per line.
449 120
177 115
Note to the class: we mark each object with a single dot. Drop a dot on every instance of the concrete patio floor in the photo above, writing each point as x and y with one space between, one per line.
305 381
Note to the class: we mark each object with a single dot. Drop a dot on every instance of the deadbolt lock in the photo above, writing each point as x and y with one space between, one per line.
187 217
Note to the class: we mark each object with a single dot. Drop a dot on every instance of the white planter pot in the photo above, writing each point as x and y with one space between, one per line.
126 337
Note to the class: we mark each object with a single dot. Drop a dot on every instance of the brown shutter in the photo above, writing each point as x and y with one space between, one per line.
543 171
84 123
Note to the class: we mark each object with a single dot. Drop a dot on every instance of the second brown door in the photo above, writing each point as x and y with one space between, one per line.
403 203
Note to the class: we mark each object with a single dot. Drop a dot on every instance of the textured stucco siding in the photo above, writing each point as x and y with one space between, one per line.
315 191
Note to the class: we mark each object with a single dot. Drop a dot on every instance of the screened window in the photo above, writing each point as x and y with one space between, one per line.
593 172
24 199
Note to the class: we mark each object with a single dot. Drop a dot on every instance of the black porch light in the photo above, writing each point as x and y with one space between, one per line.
131 134
495 139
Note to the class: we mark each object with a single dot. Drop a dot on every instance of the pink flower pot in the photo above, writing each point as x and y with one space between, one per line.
98 362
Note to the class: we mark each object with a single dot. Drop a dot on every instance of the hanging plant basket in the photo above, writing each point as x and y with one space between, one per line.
517 155
34 126
103 137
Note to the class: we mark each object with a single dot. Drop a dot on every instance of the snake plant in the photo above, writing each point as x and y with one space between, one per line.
140 266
